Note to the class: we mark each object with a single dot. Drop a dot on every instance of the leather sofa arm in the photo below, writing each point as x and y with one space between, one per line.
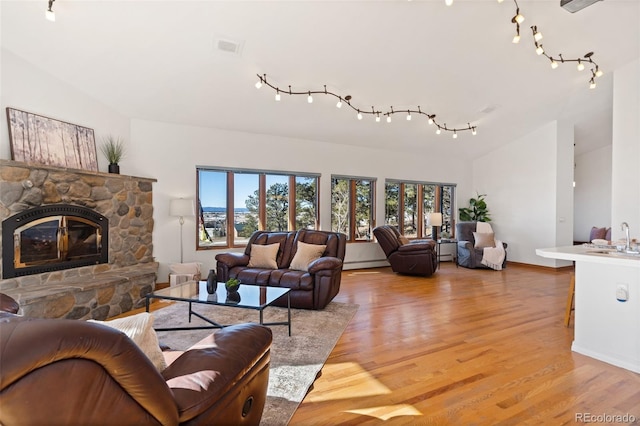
8 304
200 377
418 246
233 259
324 263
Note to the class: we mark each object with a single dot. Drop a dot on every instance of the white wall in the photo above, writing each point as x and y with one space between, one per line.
28 88
170 153
625 200
521 181
592 194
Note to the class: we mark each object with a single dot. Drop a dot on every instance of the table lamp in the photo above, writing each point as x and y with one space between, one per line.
435 220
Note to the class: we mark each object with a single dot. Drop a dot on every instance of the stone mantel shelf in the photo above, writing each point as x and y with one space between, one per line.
12 163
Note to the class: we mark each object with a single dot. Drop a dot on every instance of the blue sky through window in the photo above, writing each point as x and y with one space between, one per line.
213 185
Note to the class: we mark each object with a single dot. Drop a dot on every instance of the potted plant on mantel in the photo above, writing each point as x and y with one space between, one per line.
113 150
477 210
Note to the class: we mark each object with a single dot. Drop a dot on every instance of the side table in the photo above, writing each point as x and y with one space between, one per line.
454 255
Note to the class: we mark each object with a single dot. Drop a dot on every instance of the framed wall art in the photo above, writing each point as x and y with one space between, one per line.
43 140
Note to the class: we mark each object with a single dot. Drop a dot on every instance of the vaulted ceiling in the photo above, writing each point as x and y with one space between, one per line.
159 61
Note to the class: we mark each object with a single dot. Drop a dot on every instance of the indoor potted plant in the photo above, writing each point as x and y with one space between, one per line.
477 210
232 285
113 150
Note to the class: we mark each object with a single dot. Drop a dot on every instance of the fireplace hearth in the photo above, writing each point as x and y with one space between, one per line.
53 237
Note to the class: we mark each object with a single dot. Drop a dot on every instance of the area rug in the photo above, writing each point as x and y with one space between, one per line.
295 361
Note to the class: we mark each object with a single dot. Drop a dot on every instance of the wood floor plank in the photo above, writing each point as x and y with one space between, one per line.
474 347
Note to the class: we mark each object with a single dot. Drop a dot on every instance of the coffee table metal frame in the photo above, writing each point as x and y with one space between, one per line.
196 292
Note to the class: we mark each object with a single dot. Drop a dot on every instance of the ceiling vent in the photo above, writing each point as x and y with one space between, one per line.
576 5
228 46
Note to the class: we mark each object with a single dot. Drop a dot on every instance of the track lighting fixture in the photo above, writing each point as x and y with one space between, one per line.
50 14
537 36
262 80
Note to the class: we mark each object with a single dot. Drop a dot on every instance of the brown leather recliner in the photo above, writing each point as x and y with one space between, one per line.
413 258
63 372
312 289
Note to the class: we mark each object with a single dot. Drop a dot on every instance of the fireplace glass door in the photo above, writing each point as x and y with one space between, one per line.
56 239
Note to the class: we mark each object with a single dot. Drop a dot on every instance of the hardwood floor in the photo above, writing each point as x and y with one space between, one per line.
463 347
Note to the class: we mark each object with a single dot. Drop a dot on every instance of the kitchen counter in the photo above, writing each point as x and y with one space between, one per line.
607 327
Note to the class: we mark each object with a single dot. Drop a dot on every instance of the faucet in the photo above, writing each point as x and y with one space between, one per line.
625 228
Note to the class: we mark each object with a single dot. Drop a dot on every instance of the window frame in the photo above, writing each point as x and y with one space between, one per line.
423 232
231 241
352 204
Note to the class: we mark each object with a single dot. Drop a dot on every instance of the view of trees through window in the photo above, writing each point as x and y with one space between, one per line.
261 200
352 207
408 204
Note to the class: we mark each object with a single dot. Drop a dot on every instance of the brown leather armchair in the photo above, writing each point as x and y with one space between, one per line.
413 258
67 372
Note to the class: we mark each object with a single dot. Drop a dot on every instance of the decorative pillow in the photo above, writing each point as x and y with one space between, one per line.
403 240
139 328
305 254
484 239
608 234
598 234
264 256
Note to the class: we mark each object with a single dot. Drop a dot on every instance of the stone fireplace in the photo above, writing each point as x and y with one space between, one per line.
75 243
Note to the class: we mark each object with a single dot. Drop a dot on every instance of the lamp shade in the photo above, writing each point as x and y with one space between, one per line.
182 207
435 219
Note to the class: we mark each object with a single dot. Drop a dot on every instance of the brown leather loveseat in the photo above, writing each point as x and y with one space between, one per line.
410 258
71 372
312 288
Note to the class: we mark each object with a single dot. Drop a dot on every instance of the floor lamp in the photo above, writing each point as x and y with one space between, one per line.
435 220
181 207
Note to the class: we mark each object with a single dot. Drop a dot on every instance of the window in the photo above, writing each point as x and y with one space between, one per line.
408 204
235 203
352 207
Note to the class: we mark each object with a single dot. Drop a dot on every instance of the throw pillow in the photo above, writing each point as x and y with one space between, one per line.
598 234
403 240
139 328
264 256
484 239
305 254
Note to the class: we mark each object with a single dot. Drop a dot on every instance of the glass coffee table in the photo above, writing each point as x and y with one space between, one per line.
248 297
